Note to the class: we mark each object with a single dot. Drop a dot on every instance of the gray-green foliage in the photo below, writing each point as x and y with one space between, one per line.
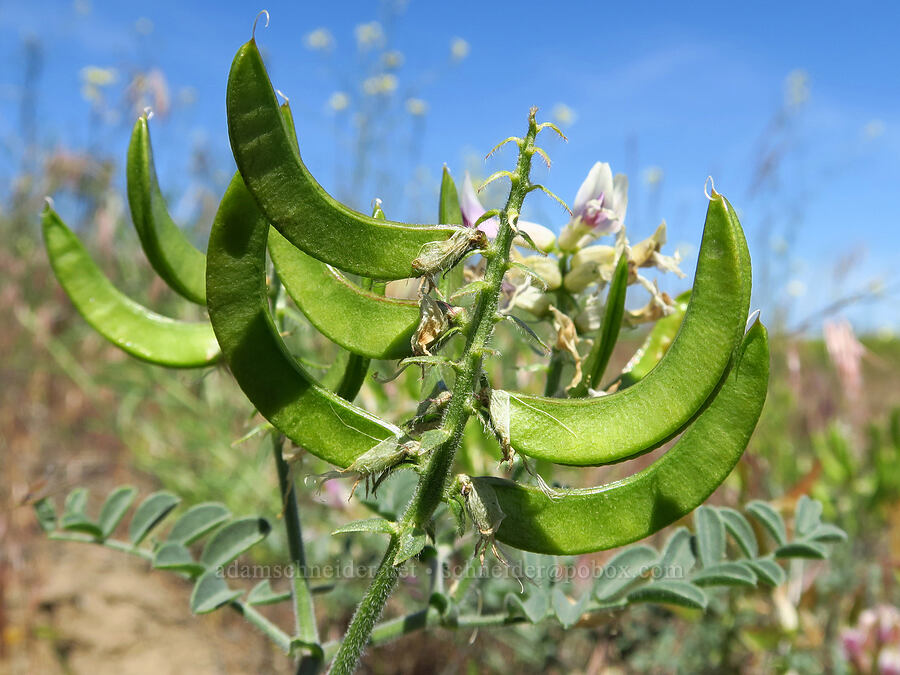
226 538
703 376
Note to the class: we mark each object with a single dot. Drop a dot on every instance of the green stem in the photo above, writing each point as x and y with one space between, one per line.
304 607
388 631
304 611
558 356
554 372
435 474
367 613
281 639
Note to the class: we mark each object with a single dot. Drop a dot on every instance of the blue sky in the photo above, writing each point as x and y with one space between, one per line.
688 89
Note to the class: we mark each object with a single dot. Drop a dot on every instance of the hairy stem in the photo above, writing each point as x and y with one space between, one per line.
434 475
367 613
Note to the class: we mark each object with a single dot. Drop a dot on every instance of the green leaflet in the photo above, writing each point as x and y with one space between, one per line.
594 519
167 248
323 423
127 324
607 429
291 198
359 321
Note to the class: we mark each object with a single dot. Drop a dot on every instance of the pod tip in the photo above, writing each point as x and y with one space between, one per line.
256 20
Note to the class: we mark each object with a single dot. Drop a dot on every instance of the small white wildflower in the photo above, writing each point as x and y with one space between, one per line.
796 288
320 39
393 59
416 106
563 115
653 176
369 35
459 49
338 101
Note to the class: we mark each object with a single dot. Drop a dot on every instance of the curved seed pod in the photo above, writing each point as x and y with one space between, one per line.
359 321
311 416
743 249
167 248
294 202
607 429
655 345
346 375
127 324
594 519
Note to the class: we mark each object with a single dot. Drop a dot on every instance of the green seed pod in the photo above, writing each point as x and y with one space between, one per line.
338 308
628 423
579 521
312 417
131 327
169 251
292 200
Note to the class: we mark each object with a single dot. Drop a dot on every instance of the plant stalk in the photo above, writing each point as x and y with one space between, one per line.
304 611
435 474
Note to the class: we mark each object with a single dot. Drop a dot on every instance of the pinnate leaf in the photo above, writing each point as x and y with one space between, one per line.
741 531
770 519
670 592
211 592
233 539
150 513
115 507
197 521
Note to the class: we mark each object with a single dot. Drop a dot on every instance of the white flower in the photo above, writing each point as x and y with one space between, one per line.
338 101
416 106
369 35
459 49
599 208
563 115
320 39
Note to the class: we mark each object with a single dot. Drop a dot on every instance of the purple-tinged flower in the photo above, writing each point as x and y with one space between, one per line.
599 208
889 661
472 210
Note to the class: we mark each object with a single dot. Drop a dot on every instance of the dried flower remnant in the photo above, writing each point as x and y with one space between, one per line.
435 317
567 341
647 254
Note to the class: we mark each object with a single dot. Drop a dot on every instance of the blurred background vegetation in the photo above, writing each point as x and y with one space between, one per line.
76 411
